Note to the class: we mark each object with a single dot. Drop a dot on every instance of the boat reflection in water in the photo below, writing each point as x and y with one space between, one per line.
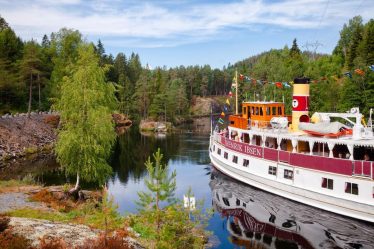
258 219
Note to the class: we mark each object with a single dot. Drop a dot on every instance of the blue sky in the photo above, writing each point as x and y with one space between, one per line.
180 32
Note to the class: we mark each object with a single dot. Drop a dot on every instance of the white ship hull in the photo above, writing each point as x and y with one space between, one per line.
305 185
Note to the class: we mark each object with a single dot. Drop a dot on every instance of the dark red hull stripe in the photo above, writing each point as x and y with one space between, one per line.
331 165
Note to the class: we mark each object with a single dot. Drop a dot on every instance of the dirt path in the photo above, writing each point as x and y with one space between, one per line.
13 201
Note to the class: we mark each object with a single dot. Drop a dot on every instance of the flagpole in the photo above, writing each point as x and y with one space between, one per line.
236 95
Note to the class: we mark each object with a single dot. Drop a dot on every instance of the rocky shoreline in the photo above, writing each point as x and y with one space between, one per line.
21 135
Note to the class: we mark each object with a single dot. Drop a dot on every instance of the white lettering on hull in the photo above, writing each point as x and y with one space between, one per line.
240 147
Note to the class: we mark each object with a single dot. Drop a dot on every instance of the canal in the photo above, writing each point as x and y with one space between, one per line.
243 217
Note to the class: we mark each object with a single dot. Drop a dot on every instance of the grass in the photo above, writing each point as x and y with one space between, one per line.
38 214
87 216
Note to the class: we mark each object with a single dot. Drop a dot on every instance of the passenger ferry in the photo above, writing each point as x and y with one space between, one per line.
313 160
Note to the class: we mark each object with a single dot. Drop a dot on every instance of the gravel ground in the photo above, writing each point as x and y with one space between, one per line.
12 201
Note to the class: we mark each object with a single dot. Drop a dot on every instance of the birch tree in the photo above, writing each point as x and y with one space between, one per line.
87 134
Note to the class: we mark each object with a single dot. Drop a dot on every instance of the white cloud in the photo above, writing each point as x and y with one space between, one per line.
164 24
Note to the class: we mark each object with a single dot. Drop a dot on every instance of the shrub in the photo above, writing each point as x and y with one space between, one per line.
4 222
52 243
8 240
115 241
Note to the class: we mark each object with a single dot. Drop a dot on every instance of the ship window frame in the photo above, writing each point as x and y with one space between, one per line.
351 188
261 111
274 110
268 111
280 110
226 201
219 151
235 159
226 155
272 170
327 183
288 174
257 111
245 162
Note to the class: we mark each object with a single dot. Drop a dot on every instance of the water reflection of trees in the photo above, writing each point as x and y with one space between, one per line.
133 149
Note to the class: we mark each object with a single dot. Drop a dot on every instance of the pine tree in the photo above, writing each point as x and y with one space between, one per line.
86 104
30 69
161 187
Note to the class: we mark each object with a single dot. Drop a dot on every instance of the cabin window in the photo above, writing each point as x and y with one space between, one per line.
257 111
268 111
234 159
351 188
245 137
274 110
279 110
327 183
232 122
225 155
244 205
288 174
272 170
245 110
252 110
219 151
245 162
227 203
261 112
237 202
217 196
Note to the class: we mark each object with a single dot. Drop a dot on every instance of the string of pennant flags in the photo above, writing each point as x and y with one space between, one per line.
288 84
227 105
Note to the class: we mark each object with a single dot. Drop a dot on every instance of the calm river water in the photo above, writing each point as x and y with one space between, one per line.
244 217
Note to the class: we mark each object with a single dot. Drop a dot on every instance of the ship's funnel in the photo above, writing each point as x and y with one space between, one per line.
300 102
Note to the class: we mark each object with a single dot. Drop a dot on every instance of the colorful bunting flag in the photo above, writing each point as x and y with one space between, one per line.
279 84
221 121
230 94
286 84
241 76
227 101
222 114
225 108
348 74
359 72
371 67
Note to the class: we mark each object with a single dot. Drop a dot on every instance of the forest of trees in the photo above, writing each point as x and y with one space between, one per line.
31 74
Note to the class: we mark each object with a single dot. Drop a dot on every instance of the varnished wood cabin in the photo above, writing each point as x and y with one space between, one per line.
257 114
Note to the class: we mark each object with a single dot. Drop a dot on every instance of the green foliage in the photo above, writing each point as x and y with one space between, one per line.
64 51
160 185
106 215
169 225
86 104
162 93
